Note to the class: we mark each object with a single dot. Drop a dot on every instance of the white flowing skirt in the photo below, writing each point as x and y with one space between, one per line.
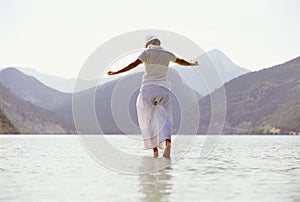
154 110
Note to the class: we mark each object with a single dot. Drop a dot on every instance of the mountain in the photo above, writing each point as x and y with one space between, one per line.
214 59
227 69
114 106
59 83
262 102
58 105
214 69
30 89
29 118
6 125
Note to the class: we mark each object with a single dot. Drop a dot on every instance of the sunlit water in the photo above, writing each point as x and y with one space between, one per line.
241 168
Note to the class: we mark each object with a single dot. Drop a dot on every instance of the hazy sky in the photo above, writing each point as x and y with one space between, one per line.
56 36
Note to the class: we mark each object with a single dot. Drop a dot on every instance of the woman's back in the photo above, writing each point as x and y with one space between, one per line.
156 61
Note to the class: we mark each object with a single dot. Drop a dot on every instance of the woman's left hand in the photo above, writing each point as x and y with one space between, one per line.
195 63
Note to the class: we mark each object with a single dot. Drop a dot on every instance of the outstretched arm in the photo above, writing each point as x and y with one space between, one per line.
127 68
185 63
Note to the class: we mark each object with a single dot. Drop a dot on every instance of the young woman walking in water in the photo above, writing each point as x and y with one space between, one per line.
154 105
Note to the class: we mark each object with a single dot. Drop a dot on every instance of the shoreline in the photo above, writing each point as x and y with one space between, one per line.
66 134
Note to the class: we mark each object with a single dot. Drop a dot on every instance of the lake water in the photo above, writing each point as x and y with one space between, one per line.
240 168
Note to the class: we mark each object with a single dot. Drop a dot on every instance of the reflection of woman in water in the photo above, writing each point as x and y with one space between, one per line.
157 184
154 105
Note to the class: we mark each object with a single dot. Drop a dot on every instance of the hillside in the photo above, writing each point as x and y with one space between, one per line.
6 125
262 102
30 89
29 118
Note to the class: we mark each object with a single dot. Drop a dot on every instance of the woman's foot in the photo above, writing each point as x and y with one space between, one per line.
155 152
167 152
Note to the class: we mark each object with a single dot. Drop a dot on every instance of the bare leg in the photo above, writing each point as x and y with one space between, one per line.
167 152
155 152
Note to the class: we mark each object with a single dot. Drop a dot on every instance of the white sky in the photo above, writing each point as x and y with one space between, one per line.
57 36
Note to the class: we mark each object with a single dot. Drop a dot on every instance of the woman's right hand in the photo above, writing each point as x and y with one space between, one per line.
112 73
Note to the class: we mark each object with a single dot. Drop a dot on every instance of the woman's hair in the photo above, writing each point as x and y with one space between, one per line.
153 42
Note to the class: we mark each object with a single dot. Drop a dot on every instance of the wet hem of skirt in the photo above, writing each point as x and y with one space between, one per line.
160 147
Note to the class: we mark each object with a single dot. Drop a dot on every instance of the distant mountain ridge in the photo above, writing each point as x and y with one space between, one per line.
212 65
61 84
228 70
262 102
58 83
30 89
225 66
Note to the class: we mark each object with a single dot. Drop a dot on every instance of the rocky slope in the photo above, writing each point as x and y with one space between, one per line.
6 125
29 118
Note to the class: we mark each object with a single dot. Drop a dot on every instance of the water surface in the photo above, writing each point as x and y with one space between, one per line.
241 168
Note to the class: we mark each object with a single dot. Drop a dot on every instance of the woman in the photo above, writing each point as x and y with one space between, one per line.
154 105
